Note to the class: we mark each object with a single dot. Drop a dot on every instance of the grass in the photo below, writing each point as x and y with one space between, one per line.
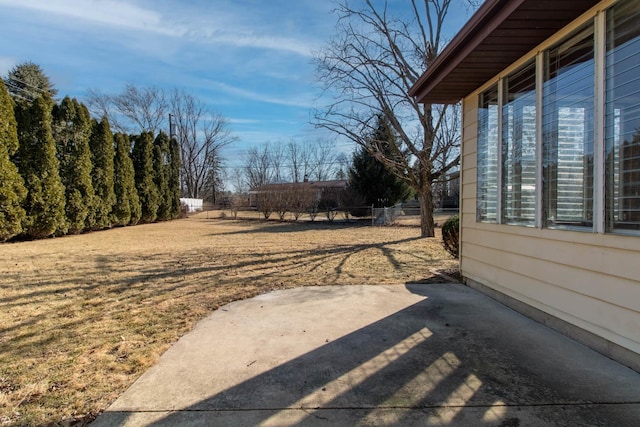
81 317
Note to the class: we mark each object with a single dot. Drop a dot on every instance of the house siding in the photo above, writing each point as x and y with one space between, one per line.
585 280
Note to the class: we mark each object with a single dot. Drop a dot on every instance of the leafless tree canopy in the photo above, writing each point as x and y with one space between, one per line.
133 110
324 158
201 135
368 68
257 167
291 162
200 132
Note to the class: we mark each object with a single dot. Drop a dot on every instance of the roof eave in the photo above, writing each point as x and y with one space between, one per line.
482 23
498 34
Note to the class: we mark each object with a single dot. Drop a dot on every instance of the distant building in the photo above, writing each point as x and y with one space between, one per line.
320 190
193 205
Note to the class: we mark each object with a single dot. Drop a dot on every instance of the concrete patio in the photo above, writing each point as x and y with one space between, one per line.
428 355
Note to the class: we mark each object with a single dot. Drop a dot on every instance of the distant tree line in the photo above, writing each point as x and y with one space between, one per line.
62 172
275 171
291 162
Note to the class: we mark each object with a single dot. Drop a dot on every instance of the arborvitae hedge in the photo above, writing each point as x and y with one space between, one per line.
61 172
12 190
127 209
102 153
37 162
72 129
142 156
161 168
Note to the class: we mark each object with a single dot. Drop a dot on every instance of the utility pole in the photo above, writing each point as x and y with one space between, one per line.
171 134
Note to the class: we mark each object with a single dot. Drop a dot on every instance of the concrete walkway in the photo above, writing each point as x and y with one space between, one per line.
428 355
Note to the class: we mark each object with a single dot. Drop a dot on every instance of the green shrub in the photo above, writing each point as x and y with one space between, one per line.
451 235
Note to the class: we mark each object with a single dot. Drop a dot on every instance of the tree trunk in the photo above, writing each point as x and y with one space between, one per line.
425 197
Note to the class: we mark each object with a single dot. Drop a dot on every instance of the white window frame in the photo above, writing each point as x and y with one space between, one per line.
599 17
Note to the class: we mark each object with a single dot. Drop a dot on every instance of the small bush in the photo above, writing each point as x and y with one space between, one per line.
451 235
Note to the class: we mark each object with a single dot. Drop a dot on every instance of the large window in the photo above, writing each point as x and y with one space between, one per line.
519 146
568 131
559 137
622 119
487 182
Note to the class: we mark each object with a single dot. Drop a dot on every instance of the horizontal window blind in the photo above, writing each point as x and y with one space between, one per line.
622 118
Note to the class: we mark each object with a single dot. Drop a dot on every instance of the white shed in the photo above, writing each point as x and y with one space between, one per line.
193 205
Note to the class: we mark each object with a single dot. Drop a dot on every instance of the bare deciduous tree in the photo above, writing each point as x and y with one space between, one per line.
135 109
303 199
237 202
278 156
299 160
294 162
324 159
283 200
238 180
266 203
201 134
257 167
369 68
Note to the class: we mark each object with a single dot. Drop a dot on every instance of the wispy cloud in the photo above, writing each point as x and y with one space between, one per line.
227 28
258 41
260 97
114 13
247 60
239 121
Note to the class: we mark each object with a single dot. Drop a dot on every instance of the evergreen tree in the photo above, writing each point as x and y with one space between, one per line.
174 178
127 209
37 162
161 169
12 190
371 179
102 153
142 157
71 130
27 82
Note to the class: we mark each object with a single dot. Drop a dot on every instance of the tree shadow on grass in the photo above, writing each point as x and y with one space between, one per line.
78 306
140 280
274 226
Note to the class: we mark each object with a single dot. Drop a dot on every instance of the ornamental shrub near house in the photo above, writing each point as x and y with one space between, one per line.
451 235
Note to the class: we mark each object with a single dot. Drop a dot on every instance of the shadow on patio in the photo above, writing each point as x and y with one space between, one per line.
450 356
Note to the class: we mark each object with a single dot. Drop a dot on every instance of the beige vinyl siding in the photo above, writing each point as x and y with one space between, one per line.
587 279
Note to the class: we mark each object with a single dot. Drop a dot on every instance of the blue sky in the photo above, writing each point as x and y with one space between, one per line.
249 60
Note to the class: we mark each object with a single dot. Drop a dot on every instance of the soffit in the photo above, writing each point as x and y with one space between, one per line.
498 34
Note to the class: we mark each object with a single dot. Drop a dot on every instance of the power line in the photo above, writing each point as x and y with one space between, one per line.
11 79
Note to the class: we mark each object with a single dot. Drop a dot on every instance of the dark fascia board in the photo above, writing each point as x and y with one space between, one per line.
483 24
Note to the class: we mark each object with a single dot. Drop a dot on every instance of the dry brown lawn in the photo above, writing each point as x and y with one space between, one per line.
81 317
